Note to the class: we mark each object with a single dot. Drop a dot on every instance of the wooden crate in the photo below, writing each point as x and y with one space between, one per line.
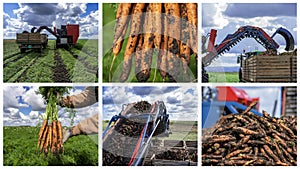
31 38
270 69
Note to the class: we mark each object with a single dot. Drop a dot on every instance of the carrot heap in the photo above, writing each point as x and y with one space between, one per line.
248 139
50 138
168 30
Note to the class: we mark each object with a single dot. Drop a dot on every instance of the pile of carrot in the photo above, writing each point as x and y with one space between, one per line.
247 139
50 137
168 29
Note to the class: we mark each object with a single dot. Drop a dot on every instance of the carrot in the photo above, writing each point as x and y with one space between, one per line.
270 153
255 151
41 132
245 131
236 152
50 134
44 139
288 130
156 10
185 50
54 137
118 44
143 69
47 141
264 153
173 15
162 55
249 162
251 106
122 17
60 136
288 155
135 27
192 18
244 140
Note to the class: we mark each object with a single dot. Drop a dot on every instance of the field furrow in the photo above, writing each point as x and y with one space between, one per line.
80 64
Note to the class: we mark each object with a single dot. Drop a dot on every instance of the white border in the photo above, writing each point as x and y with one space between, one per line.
100 84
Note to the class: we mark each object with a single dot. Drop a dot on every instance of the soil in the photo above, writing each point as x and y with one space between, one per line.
60 72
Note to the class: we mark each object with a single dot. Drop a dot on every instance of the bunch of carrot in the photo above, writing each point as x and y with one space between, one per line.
248 139
50 138
169 28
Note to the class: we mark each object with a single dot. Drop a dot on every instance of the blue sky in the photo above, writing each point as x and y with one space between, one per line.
22 106
24 16
226 18
181 102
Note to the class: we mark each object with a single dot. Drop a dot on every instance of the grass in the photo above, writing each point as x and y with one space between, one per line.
19 149
181 130
223 77
109 12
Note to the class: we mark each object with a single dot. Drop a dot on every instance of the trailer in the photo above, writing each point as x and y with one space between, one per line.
66 36
28 40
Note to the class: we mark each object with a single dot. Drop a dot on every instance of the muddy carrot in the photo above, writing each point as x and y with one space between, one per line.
41 132
60 136
54 137
143 73
44 140
192 18
162 55
135 27
173 59
185 50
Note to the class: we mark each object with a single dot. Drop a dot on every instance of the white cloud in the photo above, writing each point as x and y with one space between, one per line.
34 99
51 14
181 105
14 117
10 98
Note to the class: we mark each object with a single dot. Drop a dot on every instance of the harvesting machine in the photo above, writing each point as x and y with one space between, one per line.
213 51
66 36
133 130
224 100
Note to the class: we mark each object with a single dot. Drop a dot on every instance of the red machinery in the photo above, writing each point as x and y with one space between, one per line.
228 93
65 36
224 100
213 51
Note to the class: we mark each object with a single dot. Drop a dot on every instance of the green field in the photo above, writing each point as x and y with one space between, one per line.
76 64
215 77
109 13
181 130
19 149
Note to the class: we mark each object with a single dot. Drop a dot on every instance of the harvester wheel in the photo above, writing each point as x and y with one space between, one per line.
23 50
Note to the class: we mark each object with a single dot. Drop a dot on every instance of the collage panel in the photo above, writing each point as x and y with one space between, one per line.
50 126
249 126
249 42
150 42
150 126
50 42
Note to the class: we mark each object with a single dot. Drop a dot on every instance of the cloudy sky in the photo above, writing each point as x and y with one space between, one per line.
22 107
181 102
24 16
228 17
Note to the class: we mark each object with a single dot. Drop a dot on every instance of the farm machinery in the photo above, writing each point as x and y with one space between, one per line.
213 51
224 100
135 136
65 37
